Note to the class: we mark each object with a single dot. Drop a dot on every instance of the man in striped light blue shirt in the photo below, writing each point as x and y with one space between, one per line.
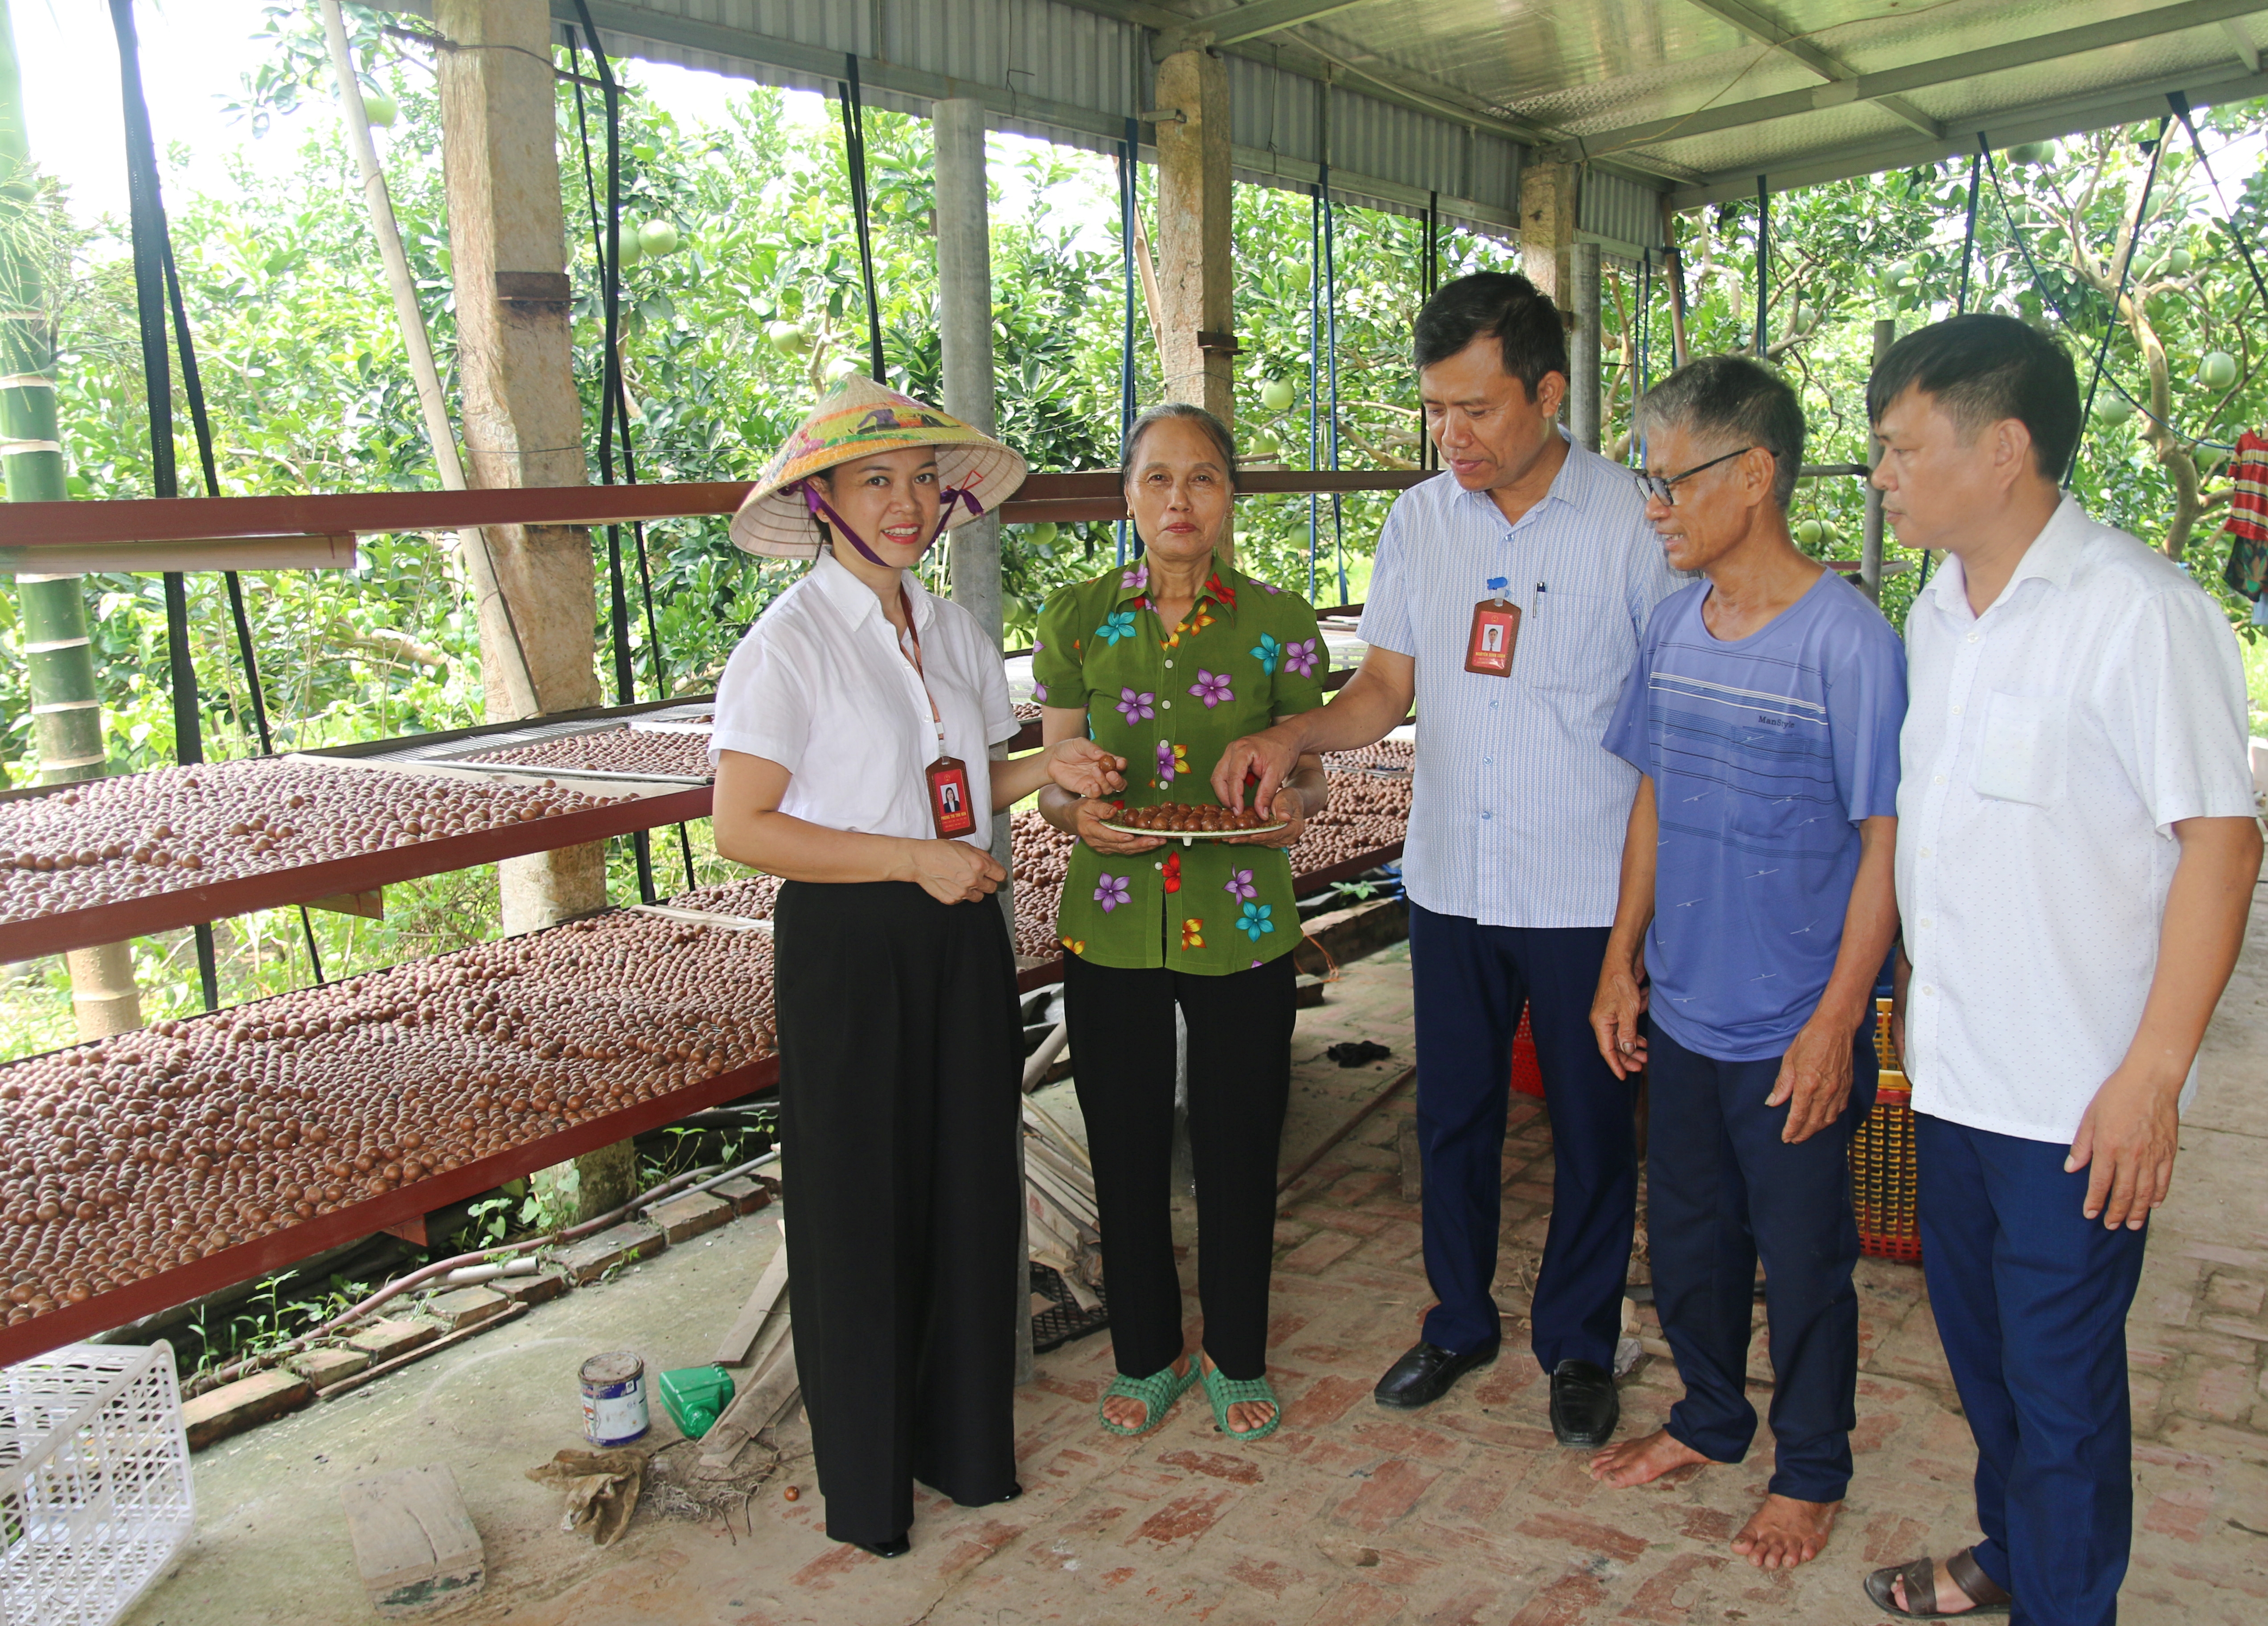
1528 545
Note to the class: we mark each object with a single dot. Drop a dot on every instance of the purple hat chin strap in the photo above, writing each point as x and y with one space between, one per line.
949 499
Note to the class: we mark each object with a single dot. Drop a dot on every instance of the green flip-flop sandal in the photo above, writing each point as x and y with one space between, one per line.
1158 1392
1224 1392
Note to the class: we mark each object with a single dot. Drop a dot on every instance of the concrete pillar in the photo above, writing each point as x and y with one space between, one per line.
523 421
1583 352
1870 551
964 288
1547 227
1194 261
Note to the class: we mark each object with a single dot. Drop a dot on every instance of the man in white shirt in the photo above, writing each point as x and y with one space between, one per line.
1507 600
2076 857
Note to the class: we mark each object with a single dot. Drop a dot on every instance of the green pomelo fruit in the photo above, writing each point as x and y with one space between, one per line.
377 109
2178 263
2028 153
2112 410
839 369
1277 394
786 338
658 237
1043 534
2217 371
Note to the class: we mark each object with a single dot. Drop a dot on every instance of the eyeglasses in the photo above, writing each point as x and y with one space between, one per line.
1657 489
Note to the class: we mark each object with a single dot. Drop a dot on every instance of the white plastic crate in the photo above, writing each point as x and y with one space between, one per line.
94 1481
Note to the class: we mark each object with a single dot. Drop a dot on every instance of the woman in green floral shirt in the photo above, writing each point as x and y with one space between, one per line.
1165 663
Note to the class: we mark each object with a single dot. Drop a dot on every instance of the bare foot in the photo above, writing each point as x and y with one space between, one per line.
1950 1598
1245 1415
1786 1533
1642 1461
1125 1412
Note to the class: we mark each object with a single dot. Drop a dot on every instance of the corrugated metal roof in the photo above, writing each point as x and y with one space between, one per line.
1694 97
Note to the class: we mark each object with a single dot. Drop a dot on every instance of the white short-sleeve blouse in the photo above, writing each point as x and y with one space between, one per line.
819 686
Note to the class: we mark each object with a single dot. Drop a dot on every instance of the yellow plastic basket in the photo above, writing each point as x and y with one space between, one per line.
1882 1173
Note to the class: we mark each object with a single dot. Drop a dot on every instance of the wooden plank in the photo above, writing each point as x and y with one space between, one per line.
369 904
754 1407
771 1290
414 1541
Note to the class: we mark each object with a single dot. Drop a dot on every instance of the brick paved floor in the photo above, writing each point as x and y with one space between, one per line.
1465 1512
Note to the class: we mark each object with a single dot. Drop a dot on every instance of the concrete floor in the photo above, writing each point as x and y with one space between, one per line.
1463 1514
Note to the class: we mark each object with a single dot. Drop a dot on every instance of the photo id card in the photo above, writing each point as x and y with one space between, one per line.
949 809
1496 628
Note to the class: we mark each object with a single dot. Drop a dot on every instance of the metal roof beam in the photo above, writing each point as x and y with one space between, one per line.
1762 29
2247 53
1916 76
2043 121
1242 22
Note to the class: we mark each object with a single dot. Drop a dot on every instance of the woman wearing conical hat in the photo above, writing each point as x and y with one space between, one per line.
851 733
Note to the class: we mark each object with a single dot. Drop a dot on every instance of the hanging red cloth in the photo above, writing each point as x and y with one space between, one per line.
2247 571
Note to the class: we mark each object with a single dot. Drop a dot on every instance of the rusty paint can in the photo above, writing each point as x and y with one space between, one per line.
614 1399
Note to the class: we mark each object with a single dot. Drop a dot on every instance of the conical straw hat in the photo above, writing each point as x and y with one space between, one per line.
857 418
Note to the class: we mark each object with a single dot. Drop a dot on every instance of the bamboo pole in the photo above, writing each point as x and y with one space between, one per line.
488 594
59 655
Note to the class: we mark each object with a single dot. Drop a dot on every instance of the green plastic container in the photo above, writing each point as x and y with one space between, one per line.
695 1397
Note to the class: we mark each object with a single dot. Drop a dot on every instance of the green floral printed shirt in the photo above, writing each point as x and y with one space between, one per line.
1170 701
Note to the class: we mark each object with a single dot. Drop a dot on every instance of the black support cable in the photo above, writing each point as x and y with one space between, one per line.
2180 103
2110 322
1429 280
854 154
1763 266
1129 149
193 389
2039 281
614 417
1968 237
147 213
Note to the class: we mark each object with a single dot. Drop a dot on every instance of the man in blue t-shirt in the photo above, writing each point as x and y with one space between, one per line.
1757 910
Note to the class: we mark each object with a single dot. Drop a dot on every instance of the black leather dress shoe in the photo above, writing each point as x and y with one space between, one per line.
1584 1405
1425 1374
896 1546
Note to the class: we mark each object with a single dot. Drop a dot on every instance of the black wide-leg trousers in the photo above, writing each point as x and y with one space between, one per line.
1121 1047
900 1059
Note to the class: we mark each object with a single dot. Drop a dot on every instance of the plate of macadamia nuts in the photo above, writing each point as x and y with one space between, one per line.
1192 821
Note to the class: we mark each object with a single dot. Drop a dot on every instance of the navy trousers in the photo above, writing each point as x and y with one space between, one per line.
1469 982
2032 1297
1722 1190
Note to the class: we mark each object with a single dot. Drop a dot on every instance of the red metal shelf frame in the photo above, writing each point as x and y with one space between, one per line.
288 1245
143 521
29 938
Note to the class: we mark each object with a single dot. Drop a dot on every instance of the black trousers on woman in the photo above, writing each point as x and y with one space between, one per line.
1122 1047
900 1056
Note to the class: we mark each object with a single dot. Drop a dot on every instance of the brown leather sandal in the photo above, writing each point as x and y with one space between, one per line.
1986 1595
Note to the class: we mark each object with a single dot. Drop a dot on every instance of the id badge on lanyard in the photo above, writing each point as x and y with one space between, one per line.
951 813
1495 630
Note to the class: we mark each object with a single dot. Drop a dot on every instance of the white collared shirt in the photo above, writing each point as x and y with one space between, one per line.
819 687
2049 746
1518 811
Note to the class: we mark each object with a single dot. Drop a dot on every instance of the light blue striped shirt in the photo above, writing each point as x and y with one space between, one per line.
1519 811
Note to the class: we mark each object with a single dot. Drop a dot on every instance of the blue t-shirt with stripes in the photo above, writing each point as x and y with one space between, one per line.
1765 752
